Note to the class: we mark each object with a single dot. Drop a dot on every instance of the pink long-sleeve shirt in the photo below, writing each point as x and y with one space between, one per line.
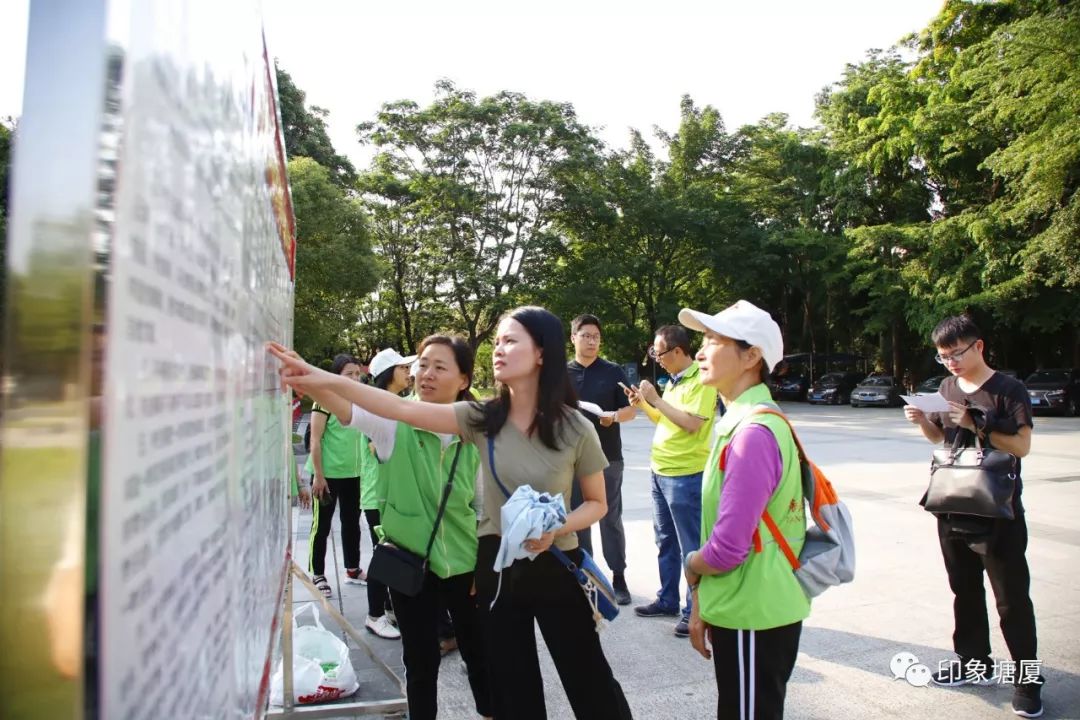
752 472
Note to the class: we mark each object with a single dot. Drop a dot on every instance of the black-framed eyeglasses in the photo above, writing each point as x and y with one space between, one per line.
655 355
956 355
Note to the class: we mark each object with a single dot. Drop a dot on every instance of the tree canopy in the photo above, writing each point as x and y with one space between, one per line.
944 177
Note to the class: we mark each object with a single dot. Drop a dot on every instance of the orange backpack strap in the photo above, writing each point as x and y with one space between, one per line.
780 540
769 522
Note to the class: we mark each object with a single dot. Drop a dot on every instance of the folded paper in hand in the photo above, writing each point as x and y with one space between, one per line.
930 403
594 409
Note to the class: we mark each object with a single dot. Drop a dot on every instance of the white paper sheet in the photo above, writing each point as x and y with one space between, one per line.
595 409
931 402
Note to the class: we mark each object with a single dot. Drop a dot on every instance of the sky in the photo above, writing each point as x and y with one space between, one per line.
621 63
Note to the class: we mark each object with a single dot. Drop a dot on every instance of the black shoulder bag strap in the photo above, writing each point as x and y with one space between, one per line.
445 499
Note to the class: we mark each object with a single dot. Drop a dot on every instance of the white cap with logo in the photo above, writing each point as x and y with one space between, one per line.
386 359
742 321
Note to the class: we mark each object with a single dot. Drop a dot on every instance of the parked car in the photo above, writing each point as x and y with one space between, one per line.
930 385
834 388
880 390
792 386
1055 391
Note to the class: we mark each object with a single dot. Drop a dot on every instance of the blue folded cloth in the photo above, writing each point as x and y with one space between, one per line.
527 515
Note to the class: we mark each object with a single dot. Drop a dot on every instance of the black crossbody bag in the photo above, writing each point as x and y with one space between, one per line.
403 570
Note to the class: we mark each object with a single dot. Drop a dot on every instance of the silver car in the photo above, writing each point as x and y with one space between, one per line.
877 390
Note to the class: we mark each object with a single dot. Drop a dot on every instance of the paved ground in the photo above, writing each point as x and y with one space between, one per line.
900 599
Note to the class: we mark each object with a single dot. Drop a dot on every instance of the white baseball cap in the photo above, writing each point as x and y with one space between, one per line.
386 359
742 321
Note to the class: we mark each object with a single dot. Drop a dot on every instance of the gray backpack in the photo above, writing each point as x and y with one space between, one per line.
828 555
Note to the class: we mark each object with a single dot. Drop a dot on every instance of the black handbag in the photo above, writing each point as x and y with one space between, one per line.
976 480
403 570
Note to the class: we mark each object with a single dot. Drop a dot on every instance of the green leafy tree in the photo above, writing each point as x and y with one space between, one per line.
781 175
304 128
335 268
409 304
880 196
477 181
648 236
1024 88
996 129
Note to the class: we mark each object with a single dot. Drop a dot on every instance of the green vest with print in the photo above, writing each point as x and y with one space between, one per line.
762 592
416 475
340 449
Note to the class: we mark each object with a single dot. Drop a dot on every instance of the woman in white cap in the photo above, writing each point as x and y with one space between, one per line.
746 597
390 370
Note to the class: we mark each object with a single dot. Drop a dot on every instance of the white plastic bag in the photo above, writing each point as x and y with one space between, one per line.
321 667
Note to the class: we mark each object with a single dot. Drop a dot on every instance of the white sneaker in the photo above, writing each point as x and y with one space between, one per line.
381 626
391 617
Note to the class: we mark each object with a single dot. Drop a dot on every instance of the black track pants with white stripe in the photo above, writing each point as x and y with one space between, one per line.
752 671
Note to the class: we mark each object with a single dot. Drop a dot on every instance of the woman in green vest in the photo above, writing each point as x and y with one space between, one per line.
334 464
415 466
390 372
746 597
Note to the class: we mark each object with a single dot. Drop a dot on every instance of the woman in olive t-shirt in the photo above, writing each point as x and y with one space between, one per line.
538 437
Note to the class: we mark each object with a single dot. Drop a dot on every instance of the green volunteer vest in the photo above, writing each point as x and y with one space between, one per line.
762 592
372 478
340 450
416 474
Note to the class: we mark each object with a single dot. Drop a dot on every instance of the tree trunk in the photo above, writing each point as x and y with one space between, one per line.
897 361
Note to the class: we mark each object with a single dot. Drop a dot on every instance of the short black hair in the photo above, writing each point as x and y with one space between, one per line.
341 360
954 331
676 337
383 379
463 356
585 319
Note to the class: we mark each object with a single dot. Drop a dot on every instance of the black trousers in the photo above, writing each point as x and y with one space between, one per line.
752 670
418 620
1001 554
378 595
612 533
542 591
345 494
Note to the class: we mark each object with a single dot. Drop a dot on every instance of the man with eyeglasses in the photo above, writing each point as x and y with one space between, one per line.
684 419
997 408
600 382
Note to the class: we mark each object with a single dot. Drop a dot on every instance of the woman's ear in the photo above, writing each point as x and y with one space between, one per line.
753 357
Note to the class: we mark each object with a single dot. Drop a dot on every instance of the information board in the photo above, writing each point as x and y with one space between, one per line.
198 237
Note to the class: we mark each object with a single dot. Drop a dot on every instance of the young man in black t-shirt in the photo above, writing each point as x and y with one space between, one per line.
997 408
597 381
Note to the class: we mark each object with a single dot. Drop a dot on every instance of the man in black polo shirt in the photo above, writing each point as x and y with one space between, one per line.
597 381
995 407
